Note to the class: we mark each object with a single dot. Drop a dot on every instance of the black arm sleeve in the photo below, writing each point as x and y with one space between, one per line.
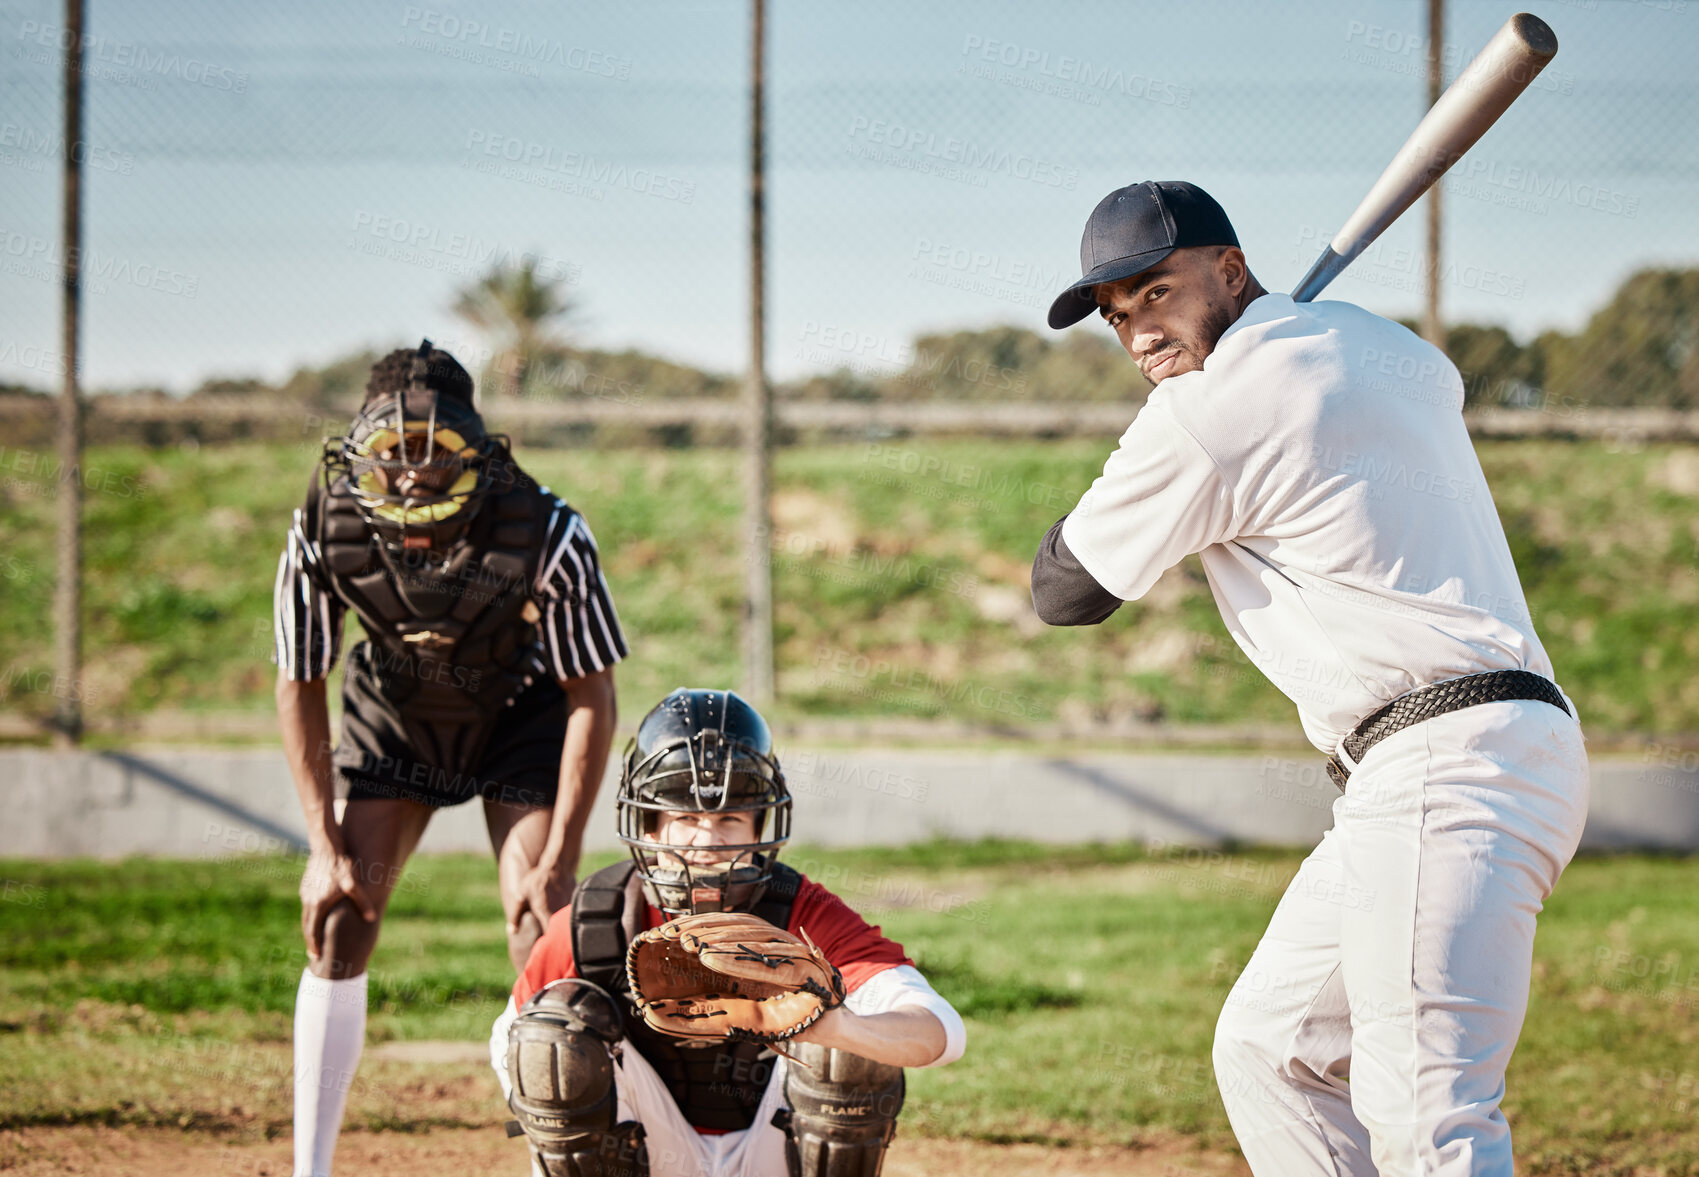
1063 592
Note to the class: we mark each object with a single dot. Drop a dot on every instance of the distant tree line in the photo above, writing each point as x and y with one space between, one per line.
1640 349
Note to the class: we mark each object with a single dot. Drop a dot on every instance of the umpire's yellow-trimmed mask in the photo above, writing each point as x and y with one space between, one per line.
416 460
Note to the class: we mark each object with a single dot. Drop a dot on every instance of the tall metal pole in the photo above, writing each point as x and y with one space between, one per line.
758 399
1433 328
67 591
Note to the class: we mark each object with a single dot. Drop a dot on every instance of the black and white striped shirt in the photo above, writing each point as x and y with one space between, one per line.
578 633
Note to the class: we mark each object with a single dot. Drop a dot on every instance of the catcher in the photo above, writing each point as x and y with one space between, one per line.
636 1042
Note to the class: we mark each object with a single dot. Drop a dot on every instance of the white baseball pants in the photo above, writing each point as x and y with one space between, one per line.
1370 1032
675 1148
678 1150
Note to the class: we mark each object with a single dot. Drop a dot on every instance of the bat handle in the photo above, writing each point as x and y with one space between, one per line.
1326 269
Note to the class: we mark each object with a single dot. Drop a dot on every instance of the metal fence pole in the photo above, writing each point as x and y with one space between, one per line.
67 591
1433 328
758 454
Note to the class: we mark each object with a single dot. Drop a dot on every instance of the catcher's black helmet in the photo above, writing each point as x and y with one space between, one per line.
703 751
417 458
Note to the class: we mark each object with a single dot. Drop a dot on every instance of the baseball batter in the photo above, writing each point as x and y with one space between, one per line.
1316 457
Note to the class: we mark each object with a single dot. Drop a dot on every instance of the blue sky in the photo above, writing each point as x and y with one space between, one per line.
282 184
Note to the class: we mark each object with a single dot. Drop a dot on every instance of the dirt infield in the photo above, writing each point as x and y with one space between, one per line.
454 1152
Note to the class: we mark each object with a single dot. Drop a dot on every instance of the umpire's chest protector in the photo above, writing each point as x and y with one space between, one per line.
452 643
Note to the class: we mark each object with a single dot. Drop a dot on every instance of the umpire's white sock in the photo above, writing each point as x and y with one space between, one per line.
330 1031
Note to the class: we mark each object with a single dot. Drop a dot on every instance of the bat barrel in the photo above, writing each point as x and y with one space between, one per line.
1536 35
1482 92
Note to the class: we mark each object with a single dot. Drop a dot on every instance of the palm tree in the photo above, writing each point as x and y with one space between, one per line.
516 305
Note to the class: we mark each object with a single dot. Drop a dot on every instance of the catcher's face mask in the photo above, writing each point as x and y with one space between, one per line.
676 771
416 462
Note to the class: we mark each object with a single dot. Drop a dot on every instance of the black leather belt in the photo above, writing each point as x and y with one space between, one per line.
1441 698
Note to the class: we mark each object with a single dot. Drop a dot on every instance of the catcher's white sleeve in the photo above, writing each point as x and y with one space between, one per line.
498 1046
903 986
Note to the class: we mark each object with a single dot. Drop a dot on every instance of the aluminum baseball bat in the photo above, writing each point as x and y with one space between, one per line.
1483 91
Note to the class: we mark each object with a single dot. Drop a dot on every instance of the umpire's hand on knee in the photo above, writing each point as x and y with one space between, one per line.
328 878
543 890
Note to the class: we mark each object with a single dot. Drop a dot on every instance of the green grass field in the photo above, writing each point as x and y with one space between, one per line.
158 993
900 579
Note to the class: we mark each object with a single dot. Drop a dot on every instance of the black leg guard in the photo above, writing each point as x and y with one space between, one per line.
562 1073
842 1114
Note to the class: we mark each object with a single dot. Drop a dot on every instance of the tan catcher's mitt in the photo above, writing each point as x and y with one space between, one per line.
730 975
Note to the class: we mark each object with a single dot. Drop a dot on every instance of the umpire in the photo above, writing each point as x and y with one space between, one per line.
486 671
1315 456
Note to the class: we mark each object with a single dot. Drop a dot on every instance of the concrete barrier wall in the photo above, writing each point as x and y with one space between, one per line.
209 802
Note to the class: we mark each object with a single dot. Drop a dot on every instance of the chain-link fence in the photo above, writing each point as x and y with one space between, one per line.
282 187
559 195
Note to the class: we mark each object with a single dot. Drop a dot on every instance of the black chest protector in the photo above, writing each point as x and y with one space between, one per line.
449 644
717 1087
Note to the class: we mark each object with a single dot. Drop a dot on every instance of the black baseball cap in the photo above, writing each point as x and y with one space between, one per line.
1131 230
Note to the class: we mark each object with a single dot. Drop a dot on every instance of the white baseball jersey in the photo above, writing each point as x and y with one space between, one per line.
1320 464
